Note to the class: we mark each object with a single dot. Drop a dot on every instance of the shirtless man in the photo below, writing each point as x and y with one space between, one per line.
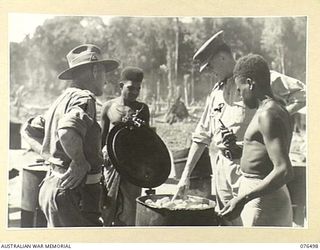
263 198
122 195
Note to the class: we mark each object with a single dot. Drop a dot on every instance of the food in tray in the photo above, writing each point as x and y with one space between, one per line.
191 203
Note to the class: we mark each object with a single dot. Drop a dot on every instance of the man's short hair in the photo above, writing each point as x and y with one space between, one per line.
255 67
130 73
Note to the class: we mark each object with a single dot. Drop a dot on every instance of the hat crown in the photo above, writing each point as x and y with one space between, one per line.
86 54
83 54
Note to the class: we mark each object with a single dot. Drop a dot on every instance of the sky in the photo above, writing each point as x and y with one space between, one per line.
22 24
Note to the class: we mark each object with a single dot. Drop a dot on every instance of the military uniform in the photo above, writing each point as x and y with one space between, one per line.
75 109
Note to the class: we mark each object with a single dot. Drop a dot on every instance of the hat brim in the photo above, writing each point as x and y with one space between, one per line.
110 65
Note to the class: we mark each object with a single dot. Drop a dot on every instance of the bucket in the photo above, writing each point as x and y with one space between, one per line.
151 216
31 215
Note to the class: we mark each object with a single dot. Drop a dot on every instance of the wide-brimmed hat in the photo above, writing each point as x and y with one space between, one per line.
86 54
210 48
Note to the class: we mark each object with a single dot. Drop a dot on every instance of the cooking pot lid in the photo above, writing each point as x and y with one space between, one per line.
139 155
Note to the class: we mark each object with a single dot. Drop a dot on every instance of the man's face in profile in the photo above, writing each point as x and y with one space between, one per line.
99 79
218 65
246 89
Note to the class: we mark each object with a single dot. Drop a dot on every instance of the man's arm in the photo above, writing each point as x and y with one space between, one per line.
32 132
105 123
295 107
273 131
33 143
194 155
201 138
146 115
72 144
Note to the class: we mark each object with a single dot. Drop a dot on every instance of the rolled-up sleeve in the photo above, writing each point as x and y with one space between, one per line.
203 133
79 115
288 89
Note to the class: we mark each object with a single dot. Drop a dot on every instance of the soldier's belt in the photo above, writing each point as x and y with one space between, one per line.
90 178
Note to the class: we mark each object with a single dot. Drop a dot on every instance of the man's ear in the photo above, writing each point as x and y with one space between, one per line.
251 83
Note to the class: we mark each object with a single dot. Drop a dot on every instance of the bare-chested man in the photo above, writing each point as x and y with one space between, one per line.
263 198
121 193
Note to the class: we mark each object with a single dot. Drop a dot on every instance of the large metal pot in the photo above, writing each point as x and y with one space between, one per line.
151 216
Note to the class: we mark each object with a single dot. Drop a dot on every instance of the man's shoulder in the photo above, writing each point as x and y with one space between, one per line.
271 113
111 101
106 105
141 104
81 93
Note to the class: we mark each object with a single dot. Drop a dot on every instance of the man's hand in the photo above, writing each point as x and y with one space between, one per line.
75 174
183 187
232 209
228 137
229 140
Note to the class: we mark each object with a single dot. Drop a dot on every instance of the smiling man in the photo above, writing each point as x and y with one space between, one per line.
263 198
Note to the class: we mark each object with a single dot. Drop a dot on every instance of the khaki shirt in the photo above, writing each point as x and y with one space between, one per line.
75 109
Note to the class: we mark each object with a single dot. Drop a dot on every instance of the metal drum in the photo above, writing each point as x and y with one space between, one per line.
31 215
151 216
